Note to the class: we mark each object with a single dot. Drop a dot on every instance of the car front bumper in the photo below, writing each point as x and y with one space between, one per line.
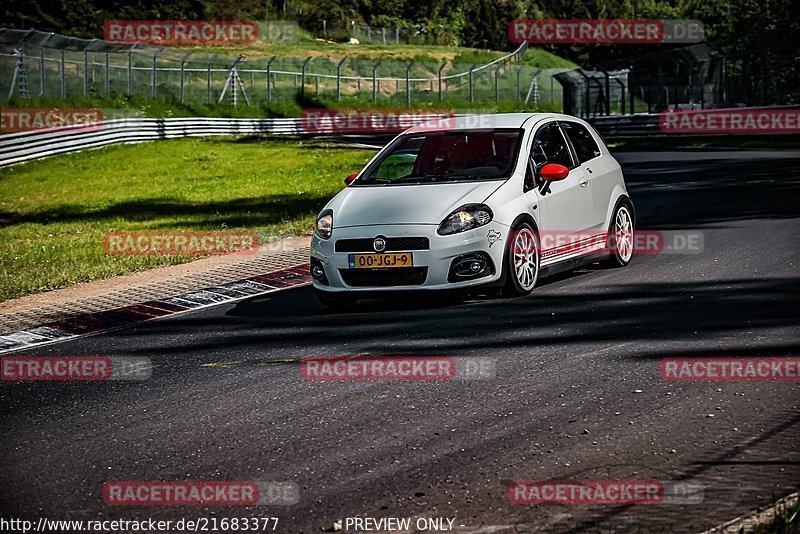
437 259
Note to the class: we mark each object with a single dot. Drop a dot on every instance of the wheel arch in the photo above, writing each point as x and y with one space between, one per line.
622 198
521 218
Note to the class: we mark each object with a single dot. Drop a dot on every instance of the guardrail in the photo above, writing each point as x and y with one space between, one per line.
30 145
624 127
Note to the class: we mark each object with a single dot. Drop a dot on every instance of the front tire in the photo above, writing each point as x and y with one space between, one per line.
620 237
522 261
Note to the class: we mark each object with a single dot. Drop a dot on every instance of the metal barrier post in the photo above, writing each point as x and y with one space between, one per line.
108 83
41 71
441 67
183 69
339 79
408 83
374 82
303 77
269 86
153 80
471 94
63 74
130 71
85 72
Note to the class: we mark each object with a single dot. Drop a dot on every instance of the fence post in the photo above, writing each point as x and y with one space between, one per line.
374 82
496 85
339 79
519 73
85 72
631 93
63 75
130 71
41 71
622 98
408 83
208 82
269 87
471 94
303 77
724 76
153 80
384 36
108 83
608 91
441 68
324 28
183 69
397 36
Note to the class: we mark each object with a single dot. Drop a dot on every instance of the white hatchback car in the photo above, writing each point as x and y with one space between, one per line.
470 201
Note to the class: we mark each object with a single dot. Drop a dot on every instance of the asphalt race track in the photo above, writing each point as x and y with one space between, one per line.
576 394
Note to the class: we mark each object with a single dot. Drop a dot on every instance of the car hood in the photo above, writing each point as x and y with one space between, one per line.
405 204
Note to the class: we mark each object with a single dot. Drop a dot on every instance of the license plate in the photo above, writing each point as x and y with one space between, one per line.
381 261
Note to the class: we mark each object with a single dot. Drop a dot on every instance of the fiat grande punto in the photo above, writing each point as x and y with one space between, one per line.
486 200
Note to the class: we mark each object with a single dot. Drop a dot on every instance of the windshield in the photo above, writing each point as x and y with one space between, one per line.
435 157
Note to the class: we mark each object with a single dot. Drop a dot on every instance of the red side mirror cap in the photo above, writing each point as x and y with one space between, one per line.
349 179
554 171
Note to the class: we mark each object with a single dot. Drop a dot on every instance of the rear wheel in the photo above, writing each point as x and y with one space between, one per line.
620 238
522 261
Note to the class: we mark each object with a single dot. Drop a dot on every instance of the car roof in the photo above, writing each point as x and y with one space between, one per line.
496 120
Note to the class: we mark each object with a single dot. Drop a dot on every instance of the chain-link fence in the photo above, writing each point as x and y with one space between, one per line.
48 65
694 77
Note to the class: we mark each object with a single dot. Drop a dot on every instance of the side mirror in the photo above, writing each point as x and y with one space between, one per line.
349 179
553 171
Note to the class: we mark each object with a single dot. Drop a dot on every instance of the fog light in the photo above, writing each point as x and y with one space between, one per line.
318 272
470 266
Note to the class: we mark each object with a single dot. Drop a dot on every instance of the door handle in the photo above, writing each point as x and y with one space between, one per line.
584 182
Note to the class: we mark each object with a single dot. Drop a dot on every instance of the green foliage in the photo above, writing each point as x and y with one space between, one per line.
750 31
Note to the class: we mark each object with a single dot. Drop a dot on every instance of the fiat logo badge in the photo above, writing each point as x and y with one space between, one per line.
379 244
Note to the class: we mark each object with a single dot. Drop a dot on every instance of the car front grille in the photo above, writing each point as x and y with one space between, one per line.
401 276
364 244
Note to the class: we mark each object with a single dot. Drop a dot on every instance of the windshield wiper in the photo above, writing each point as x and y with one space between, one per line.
431 178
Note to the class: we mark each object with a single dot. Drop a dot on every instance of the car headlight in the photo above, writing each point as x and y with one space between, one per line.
466 218
324 226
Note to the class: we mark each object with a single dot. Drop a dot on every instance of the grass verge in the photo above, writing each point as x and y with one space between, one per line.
55 212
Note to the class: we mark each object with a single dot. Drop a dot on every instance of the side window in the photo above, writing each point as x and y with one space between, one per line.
549 146
582 140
